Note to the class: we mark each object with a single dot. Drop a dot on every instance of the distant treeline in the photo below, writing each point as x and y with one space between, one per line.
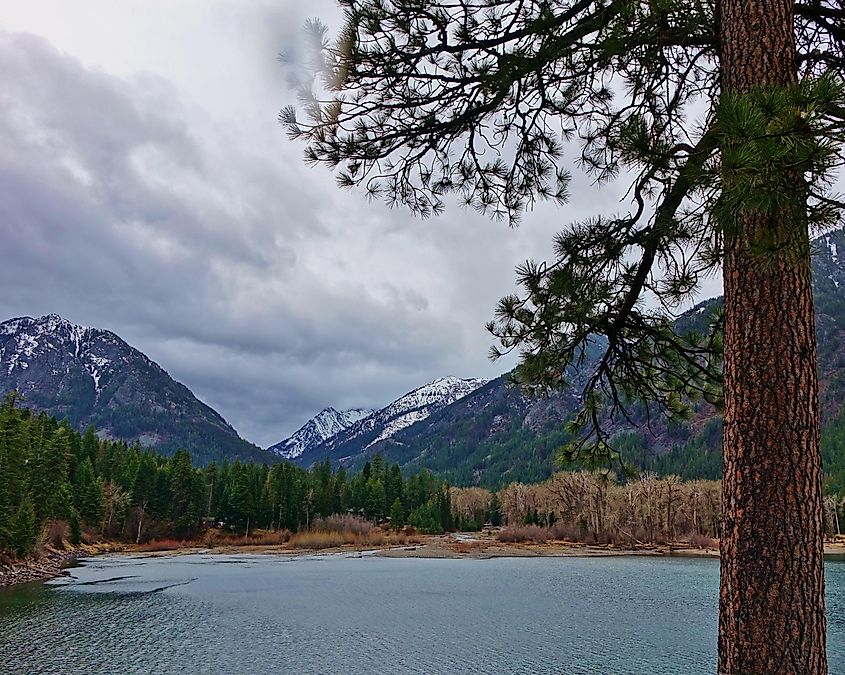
107 489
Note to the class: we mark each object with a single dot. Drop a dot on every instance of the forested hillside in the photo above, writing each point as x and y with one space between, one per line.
107 489
91 376
496 435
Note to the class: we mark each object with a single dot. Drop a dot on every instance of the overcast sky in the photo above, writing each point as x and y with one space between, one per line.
146 188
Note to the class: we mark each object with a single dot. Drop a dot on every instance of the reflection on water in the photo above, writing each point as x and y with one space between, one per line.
260 614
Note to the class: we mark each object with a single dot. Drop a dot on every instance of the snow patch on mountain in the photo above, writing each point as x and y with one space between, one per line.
413 407
420 403
325 424
91 376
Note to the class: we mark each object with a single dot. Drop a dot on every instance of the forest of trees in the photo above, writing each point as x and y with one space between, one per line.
107 490
49 471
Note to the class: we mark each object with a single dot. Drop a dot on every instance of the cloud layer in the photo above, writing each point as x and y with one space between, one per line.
146 188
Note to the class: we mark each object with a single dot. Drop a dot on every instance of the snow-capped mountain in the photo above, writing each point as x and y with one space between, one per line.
323 425
497 434
413 407
91 376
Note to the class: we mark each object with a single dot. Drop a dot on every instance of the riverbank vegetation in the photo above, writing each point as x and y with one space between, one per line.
107 490
57 485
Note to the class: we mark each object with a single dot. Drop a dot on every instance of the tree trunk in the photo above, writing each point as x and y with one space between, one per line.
771 608
140 523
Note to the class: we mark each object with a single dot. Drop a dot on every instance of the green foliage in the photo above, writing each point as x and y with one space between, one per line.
488 101
426 519
48 471
397 514
125 490
24 529
88 492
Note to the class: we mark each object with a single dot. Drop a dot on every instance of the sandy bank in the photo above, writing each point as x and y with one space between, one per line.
451 546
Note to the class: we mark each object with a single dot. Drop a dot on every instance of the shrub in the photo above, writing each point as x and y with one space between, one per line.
320 540
565 532
161 545
525 533
343 523
212 538
702 541
327 537
56 533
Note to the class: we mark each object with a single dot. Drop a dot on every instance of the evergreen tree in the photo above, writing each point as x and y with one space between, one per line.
24 529
88 492
48 475
494 513
13 483
478 99
376 500
397 514
75 528
187 495
89 446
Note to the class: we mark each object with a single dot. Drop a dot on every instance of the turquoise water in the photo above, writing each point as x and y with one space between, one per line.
263 614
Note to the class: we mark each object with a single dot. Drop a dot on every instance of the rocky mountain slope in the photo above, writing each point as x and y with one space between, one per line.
91 376
495 434
413 407
325 424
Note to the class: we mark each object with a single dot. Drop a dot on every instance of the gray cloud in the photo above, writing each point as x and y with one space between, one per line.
147 189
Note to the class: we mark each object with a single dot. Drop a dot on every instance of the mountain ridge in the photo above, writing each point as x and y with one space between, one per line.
91 376
410 408
496 434
322 426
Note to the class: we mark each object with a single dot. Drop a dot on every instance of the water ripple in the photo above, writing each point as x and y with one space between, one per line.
260 614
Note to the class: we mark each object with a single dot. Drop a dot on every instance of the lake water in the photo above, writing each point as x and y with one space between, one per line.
330 614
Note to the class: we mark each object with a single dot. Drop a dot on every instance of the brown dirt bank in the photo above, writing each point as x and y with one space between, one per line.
451 546
51 563
468 545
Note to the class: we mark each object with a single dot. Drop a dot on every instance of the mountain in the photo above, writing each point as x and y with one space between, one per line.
496 435
91 376
325 424
405 411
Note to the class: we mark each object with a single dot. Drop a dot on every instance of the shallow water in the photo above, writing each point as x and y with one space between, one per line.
261 614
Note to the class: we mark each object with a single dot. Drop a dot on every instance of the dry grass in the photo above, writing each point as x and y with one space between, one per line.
702 541
525 533
213 538
162 545
320 540
344 523
464 547
338 530
334 532
357 535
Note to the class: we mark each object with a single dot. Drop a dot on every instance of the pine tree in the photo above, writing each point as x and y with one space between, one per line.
494 513
397 514
480 99
187 495
90 445
75 528
88 493
13 483
376 499
48 475
24 529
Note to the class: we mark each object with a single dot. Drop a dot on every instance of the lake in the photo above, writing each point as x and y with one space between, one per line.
339 614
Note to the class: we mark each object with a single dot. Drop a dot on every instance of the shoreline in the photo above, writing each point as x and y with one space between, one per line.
51 564
55 563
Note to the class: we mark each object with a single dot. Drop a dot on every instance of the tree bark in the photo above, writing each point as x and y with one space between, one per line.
771 608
